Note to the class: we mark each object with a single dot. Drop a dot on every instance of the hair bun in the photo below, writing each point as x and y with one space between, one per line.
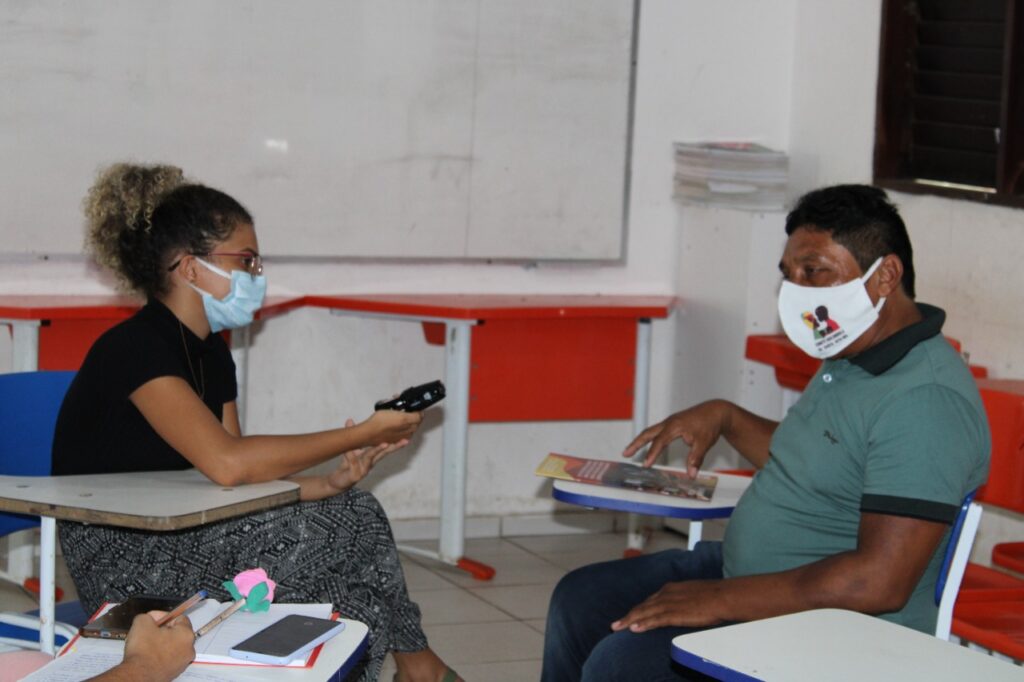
119 207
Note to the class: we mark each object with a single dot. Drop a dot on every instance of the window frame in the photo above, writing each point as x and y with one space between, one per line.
893 135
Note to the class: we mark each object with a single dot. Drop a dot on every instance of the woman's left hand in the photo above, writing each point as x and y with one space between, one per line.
354 465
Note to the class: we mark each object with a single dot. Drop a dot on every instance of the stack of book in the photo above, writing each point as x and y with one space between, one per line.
741 175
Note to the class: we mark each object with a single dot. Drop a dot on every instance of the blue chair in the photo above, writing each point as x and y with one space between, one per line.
954 563
29 404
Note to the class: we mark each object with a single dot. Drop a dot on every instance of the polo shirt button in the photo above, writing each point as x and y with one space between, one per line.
827 378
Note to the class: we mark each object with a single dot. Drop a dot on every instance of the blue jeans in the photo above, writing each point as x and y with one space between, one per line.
578 641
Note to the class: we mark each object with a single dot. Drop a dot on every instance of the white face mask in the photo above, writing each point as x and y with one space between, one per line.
822 321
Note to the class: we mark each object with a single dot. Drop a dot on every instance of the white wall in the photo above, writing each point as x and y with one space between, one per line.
967 255
797 75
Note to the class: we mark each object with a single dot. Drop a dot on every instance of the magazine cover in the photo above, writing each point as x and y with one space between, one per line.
627 475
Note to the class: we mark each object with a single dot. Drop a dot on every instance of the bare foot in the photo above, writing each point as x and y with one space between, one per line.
422 666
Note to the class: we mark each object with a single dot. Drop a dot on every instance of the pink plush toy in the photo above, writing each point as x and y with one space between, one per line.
255 586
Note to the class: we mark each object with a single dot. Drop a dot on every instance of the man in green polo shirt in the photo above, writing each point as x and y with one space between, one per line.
856 488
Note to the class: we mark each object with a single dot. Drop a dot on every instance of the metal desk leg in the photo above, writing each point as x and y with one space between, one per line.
241 339
458 335
24 345
456 427
24 358
636 537
694 536
47 602
453 460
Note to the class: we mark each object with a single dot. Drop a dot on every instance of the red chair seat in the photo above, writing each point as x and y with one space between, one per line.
1009 555
983 578
995 625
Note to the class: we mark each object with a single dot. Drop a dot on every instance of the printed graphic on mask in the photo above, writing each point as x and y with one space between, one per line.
826 332
822 321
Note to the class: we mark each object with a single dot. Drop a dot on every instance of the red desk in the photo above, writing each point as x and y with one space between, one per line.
534 358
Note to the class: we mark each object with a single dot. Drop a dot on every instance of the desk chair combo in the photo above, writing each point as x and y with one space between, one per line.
816 644
29 403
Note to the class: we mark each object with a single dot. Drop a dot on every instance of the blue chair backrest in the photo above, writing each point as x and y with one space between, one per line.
954 538
29 404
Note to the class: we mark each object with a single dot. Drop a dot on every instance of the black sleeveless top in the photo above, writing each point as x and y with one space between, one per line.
99 430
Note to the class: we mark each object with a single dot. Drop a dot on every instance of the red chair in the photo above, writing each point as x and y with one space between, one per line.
989 610
993 619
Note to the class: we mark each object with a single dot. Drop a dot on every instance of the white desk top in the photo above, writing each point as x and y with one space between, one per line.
340 653
158 500
727 493
835 645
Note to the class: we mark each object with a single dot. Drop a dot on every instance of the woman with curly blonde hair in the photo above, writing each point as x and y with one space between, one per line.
158 392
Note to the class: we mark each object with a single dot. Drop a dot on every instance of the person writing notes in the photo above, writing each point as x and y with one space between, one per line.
158 392
856 488
153 653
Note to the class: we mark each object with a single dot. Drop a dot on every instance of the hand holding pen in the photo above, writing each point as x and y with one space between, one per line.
181 608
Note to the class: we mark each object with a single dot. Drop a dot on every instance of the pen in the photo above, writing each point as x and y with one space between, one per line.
181 608
220 617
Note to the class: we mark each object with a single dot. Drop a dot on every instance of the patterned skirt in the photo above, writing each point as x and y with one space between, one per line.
338 550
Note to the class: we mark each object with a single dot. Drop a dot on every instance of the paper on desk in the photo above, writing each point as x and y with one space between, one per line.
82 665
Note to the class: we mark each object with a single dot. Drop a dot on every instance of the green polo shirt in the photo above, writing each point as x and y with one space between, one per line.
898 429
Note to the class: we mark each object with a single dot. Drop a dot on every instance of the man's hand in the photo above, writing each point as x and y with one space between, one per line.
152 653
699 427
684 604
354 465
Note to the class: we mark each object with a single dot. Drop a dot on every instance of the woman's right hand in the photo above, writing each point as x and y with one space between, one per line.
391 426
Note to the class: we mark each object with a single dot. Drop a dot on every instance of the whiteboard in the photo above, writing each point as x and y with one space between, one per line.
349 128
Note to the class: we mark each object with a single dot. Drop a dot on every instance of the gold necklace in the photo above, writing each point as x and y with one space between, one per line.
201 390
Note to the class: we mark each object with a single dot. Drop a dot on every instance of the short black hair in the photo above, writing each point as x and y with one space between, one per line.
861 219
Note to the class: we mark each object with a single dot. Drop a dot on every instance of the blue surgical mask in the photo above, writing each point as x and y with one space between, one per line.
238 307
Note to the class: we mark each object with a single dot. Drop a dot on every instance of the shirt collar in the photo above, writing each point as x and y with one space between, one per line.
883 356
170 322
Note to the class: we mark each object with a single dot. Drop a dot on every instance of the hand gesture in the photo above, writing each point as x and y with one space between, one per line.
354 465
699 427
683 604
390 426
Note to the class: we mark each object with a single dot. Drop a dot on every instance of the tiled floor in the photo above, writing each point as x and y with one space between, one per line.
490 631
494 630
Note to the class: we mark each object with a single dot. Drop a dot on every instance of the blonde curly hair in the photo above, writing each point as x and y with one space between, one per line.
122 200
139 217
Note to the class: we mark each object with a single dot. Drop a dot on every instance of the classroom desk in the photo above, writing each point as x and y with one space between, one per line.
728 491
833 644
534 358
157 501
337 658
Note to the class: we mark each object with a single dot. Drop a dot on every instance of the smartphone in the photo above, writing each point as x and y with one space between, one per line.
414 398
287 639
115 623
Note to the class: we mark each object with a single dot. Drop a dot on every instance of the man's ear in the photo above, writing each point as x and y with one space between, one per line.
889 274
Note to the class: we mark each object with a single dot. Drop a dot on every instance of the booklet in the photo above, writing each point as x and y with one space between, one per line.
627 475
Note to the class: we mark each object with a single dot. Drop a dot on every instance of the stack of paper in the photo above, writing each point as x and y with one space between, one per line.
740 175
